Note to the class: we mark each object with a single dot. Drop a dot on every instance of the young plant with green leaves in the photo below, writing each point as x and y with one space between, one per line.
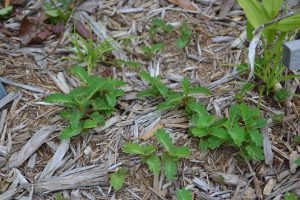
117 179
168 160
268 67
4 12
183 194
89 52
241 129
90 104
185 36
159 24
290 196
153 49
171 99
58 10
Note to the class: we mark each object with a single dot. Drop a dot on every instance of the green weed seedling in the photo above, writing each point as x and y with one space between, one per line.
268 67
86 51
153 49
149 156
89 105
184 194
4 12
290 196
58 10
159 24
171 99
185 36
117 179
241 129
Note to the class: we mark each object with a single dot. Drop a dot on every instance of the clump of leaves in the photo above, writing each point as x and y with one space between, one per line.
185 36
297 161
4 12
117 179
59 196
240 129
153 49
184 194
268 67
149 156
159 24
58 10
290 196
172 99
89 105
87 51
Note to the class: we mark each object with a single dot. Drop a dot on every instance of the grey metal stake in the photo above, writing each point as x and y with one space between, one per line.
291 55
2 91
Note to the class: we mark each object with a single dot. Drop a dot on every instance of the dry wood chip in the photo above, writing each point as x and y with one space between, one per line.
185 4
267 146
21 85
89 178
55 161
108 124
31 146
60 82
230 179
8 98
202 185
269 186
293 157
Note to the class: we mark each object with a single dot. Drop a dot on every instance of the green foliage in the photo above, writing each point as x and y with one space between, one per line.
89 105
59 196
281 95
172 99
245 88
169 158
152 49
58 10
87 51
268 67
240 129
297 161
5 11
185 36
290 196
117 179
159 24
184 194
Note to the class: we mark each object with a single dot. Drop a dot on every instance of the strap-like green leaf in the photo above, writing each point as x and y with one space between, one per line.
154 164
170 168
69 132
181 152
272 6
164 140
59 98
288 24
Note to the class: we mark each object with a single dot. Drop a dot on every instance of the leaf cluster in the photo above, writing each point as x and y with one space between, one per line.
171 99
185 36
168 159
89 105
159 24
183 194
117 178
87 51
58 11
241 129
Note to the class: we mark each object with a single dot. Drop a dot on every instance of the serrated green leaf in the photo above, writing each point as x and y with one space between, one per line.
150 149
133 148
220 133
170 168
254 152
290 196
75 118
245 88
146 76
159 23
90 123
98 118
201 90
154 164
256 137
184 194
59 98
181 152
185 85
197 108
297 161
80 72
52 13
69 132
117 179
165 106
164 140
214 142
237 134
203 145
199 132
205 121
146 93
5 11
234 116
66 114
181 43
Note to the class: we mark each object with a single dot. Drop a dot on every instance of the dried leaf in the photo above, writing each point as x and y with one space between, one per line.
186 4
84 31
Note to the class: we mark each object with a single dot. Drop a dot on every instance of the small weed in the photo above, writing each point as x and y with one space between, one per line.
158 23
4 12
86 51
58 11
117 179
183 194
89 104
290 196
297 161
153 49
59 196
168 160
185 36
